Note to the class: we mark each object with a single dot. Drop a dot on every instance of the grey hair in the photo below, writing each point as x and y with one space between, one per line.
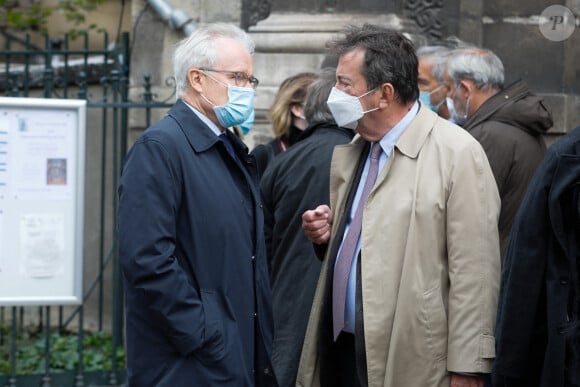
437 56
315 107
479 65
199 50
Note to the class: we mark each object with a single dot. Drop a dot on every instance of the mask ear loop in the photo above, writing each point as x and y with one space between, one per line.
207 100
464 115
466 108
368 92
370 110
365 94
215 80
433 91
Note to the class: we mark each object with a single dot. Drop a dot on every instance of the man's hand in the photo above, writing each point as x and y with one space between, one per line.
458 380
317 223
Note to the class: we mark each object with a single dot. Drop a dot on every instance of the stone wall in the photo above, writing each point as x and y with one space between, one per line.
289 42
511 29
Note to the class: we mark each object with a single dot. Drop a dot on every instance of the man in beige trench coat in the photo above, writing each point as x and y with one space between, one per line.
421 293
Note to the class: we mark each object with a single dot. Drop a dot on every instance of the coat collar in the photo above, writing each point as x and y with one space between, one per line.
409 144
413 137
513 92
198 134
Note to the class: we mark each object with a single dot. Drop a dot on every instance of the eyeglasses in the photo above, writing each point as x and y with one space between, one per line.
241 79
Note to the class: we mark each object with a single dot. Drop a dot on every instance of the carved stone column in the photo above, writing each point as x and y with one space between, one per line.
427 15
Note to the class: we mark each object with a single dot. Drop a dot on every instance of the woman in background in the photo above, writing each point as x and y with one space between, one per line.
287 117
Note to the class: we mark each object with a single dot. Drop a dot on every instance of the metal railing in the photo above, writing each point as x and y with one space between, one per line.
64 345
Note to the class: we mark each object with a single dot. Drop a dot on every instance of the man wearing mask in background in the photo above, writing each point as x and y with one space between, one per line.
432 89
407 291
508 123
191 240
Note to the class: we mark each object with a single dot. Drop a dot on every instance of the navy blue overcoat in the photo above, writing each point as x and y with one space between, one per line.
190 227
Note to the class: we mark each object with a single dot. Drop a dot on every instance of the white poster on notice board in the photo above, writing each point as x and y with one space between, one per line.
2 243
42 158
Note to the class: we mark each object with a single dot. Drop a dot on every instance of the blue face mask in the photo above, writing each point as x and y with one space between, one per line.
239 107
425 98
246 126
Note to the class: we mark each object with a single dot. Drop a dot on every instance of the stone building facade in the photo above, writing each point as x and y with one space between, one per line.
290 38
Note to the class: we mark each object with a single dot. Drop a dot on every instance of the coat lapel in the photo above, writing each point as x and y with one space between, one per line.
343 171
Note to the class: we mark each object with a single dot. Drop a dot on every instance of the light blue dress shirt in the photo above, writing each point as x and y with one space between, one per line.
387 143
205 120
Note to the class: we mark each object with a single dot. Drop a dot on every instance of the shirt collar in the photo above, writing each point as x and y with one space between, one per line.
205 120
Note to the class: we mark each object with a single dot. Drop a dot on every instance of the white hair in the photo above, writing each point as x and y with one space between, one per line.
437 56
481 66
199 50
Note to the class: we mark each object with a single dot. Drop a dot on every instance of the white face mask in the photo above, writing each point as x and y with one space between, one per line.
346 109
459 118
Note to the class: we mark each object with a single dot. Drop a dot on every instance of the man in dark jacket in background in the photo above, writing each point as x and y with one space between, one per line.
508 123
191 240
297 179
538 319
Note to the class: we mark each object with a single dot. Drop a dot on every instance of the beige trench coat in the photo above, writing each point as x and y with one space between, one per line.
430 264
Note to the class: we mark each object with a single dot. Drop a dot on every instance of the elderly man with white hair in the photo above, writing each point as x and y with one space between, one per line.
190 224
508 123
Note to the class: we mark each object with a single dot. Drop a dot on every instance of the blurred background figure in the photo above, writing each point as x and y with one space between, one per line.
287 117
296 180
432 64
432 89
508 123
538 319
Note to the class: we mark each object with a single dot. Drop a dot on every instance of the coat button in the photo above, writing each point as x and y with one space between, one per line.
267 371
253 257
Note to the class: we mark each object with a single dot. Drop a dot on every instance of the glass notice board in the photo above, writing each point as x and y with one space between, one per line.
42 165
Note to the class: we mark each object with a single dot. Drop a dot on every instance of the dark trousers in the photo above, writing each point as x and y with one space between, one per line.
344 349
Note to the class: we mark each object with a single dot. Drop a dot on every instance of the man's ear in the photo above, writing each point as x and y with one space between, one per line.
194 79
467 86
387 93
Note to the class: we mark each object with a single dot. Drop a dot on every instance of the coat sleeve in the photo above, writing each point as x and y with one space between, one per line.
474 261
158 290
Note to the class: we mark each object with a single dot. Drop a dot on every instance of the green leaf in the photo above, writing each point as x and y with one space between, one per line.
64 356
35 16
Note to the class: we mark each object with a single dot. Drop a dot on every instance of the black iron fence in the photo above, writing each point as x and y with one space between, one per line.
64 345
